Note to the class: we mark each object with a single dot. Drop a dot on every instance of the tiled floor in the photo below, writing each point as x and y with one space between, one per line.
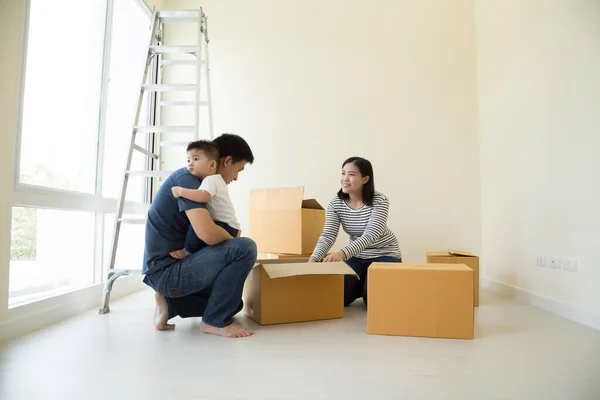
520 352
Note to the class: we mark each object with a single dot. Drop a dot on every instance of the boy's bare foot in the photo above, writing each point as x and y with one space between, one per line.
178 254
161 315
232 331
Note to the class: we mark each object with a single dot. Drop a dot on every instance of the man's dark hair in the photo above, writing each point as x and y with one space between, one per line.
366 169
209 148
234 146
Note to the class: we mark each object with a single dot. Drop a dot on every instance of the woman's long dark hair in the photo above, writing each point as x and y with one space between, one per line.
366 169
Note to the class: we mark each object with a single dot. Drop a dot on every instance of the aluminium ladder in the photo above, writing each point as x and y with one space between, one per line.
162 95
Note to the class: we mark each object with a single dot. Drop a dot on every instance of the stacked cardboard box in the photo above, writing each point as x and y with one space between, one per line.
284 287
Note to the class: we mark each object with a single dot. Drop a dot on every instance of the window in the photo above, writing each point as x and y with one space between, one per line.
130 34
59 137
51 250
79 100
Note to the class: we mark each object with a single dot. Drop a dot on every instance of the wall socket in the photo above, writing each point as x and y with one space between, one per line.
553 261
540 260
569 264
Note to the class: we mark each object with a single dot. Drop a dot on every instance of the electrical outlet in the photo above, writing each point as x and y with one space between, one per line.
540 260
553 262
570 264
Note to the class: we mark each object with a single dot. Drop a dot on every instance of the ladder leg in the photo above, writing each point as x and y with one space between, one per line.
112 277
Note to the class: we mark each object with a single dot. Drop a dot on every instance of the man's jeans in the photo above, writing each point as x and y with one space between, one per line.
354 287
208 283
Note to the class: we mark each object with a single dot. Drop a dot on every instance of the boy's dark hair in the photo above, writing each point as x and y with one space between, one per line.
208 147
366 169
234 146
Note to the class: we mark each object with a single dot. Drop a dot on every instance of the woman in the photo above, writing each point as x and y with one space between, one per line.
363 214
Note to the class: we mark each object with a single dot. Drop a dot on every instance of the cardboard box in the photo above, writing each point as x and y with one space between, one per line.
279 256
429 300
281 221
294 290
459 257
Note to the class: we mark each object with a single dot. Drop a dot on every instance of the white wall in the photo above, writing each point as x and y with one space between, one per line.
539 93
310 83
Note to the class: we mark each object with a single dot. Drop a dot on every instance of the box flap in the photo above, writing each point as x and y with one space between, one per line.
450 253
278 269
311 204
461 253
438 254
276 199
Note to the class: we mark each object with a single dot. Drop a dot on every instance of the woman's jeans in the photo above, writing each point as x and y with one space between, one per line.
354 287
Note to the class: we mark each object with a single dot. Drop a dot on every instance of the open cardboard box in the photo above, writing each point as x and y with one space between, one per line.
294 290
282 221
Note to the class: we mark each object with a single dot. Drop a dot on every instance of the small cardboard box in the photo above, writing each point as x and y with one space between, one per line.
429 300
281 221
459 257
294 290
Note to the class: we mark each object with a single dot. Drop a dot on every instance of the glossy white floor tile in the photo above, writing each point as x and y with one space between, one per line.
520 352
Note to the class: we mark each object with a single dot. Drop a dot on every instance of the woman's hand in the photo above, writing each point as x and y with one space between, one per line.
312 259
334 257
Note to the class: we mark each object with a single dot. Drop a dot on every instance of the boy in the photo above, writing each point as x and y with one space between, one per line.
202 162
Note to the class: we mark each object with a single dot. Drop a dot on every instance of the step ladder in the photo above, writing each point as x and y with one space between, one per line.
161 57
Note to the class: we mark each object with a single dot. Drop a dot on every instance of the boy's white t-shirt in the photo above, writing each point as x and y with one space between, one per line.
220 206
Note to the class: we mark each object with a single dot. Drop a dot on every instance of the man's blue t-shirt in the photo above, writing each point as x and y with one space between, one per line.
167 223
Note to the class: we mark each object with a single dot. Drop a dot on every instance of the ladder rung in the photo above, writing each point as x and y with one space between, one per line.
179 15
173 49
144 151
133 221
170 87
165 63
170 103
150 174
165 129
173 143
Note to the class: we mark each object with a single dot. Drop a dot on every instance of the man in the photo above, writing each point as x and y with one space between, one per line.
209 282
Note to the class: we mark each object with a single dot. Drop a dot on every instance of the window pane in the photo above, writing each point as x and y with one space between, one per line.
130 252
51 251
129 46
62 94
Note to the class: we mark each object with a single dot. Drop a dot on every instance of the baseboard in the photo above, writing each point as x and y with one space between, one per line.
556 307
34 316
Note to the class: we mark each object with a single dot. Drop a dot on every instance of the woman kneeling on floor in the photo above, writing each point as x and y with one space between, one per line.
363 213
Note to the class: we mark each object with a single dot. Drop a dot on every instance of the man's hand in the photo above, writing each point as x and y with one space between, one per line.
337 256
176 190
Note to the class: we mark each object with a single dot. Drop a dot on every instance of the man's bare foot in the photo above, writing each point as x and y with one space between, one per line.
232 331
161 315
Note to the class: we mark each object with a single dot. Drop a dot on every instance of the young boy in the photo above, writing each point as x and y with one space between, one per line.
202 162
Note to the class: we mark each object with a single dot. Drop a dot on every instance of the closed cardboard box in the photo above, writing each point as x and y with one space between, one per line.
429 300
459 257
282 221
293 290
